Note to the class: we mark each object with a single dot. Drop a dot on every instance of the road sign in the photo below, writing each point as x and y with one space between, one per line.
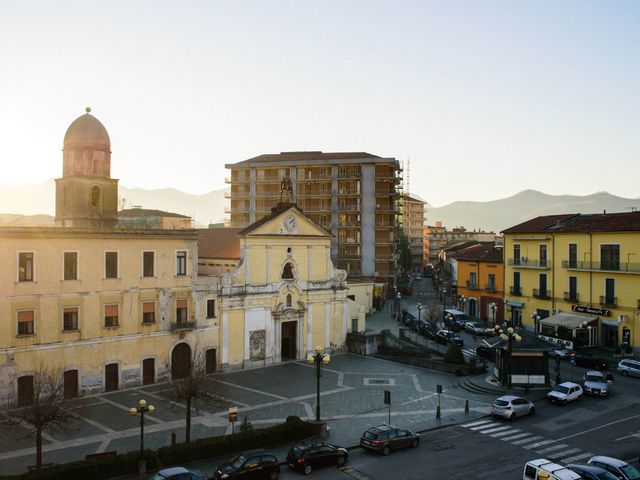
387 397
233 414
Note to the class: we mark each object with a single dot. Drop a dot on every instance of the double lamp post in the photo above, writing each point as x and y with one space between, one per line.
318 357
141 409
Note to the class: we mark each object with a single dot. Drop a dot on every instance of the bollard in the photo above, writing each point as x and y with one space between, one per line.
173 439
438 411
466 406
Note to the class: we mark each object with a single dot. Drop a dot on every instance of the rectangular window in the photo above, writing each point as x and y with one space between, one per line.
25 267
516 254
610 257
70 318
516 282
610 291
472 280
543 255
111 315
148 312
543 284
573 289
111 265
70 265
181 263
26 322
181 311
147 264
573 255
491 282
211 308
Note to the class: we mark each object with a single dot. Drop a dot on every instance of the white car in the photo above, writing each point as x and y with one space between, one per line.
564 393
619 468
474 328
595 383
510 407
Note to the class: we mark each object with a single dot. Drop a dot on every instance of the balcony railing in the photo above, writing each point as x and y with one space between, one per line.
602 266
472 285
490 287
515 291
349 207
608 301
529 263
176 326
540 293
233 194
571 297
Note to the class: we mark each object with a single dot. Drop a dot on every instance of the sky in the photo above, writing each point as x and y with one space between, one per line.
483 99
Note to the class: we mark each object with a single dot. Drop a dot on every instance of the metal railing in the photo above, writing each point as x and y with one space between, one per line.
472 285
515 291
529 263
571 296
608 301
540 293
602 266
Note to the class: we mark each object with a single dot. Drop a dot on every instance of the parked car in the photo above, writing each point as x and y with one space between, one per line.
564 393
629 367
561 352
429 330
386 438
306 457
510 407
445 337
619 468
454 319
595 383
258 465
585 359
590 472
177 473
474 328
543 468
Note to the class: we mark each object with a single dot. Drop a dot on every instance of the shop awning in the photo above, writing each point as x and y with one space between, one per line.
569 320
515 304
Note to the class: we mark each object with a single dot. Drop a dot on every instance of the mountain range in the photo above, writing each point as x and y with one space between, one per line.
35 205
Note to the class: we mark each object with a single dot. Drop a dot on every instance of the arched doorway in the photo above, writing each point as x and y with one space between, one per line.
181 361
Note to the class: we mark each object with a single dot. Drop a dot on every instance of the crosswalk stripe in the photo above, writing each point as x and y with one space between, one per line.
520 435
490 430
577 457
481 422
552 448
527 440
565 453
482 427
506 432
539 444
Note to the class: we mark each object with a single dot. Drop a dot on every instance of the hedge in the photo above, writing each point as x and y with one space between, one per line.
107 467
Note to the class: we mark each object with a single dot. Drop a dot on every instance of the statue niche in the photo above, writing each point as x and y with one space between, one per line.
257 345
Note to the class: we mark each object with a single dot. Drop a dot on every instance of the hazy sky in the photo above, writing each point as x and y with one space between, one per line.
485 98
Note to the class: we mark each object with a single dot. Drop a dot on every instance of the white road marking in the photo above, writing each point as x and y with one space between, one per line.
539 444
565 453
637 435
507 432
599 427
473 424
520 435
526 440
552 448
491 430
577 457
482 427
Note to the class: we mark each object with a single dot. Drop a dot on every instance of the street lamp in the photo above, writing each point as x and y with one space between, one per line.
141 409
509 336
493 308
536 319
319 357
444 297
419 307
398 311
449 319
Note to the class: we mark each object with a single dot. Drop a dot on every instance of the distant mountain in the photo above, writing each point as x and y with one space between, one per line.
500 214
40 199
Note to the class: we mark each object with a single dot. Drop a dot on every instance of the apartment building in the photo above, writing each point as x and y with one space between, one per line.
354 195
438 237
576 271
413 225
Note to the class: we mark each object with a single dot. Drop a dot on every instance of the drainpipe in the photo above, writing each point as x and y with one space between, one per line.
553 274
590 269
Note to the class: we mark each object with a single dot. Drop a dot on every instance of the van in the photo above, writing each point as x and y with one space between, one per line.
543 469
454 319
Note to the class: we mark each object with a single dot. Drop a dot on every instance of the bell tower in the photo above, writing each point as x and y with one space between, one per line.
86 195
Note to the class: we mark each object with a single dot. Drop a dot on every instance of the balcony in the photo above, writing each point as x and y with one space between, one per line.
490 287
233 194
181 326
472 285
537 293
349 207
344 174
268 194
608 301
525 262
602 266
515 291
571 297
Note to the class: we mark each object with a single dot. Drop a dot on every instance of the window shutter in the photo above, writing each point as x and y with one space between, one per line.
111 310
182 303
25 316
71 310
148 307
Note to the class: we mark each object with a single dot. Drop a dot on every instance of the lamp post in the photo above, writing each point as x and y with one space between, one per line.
449 319
444 297
536 319
398 310
493 307
509 336
461 302
318 357
141 409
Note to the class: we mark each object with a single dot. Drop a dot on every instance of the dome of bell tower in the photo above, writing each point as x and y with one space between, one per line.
87 130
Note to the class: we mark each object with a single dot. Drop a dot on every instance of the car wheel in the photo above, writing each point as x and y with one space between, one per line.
273 475
386 450
532 410
342 460
565 401
415 443
624 373
307 469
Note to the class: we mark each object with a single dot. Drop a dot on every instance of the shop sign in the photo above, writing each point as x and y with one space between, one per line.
591 310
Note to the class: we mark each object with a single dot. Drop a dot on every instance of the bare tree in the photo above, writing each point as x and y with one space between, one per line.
190 387
48 407
433 314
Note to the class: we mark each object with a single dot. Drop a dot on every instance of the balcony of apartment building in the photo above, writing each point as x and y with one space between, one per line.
541 293
387 172
571 297
607 301
349 172
387 206
525 262
314 190
349 252
234 193
386 189
238 176
471 285
385 238
312 174
352 267
515 291
385 220
309 206
610 266
490 287
271 175
267 192
347 206
322 220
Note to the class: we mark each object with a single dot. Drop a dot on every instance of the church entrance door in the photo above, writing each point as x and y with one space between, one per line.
289 336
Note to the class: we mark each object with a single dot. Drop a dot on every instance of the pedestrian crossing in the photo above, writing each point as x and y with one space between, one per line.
547 447
468 352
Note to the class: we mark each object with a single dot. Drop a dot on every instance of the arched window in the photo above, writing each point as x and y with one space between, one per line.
95 196
289 300
287 271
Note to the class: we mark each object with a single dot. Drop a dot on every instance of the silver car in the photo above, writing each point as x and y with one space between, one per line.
629 367
510 406
619 468
595 383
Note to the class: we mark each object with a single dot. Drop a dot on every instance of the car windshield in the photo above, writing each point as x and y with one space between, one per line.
298 452
561 389
606 476
631 472
237 461
594 378
370 435
501 403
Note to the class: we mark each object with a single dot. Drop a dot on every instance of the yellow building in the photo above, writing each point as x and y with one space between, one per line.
285 298
576 271
112 307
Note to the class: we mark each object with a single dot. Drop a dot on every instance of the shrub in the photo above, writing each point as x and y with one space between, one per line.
246 426
454 355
